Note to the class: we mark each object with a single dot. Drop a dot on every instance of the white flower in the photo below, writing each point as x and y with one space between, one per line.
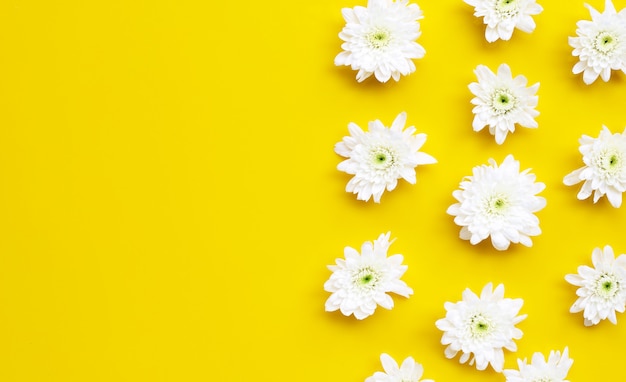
555 370
502 101
600 43
410 371
361 282
380 39
481 327
602 289
498 202
381 156
604 172
503 16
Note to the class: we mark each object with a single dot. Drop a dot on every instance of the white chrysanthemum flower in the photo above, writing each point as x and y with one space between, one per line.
410 371
501 101
361 282
481 327
499 202
381 156
600 44
380 39
602 289
555 370
503 16
604 172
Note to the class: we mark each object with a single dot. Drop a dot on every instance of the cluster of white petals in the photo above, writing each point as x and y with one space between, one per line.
600 44
498 201
360 282
481 327
380 39
502 101
554 370
602 289
501 17
410 371
604 172
379 157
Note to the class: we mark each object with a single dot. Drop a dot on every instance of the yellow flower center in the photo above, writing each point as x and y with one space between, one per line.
610 161
379 38
496 204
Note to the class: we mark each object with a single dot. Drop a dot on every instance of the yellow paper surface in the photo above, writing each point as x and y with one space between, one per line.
169 198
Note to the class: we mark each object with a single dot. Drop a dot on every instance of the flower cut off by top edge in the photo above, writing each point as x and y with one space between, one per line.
380 39
502 17
600 43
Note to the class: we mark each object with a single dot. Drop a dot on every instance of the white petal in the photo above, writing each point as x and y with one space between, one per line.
389 364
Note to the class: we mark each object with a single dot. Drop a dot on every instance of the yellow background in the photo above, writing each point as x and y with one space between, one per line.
169 198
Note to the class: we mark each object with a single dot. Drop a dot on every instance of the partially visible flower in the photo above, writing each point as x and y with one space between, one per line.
381 156
600 44
481 327
361 282
499 202
555 370
502 101
410 371
503 16
380 39
602 289
604 172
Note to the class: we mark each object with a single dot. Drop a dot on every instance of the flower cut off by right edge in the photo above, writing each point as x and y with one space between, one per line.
604 172
601 289
600 44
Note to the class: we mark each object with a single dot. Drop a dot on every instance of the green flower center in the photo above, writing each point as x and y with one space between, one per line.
503 101
507 8
610 161
379 38
607 286
382 157
496 204
366 278
605 43
479 326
